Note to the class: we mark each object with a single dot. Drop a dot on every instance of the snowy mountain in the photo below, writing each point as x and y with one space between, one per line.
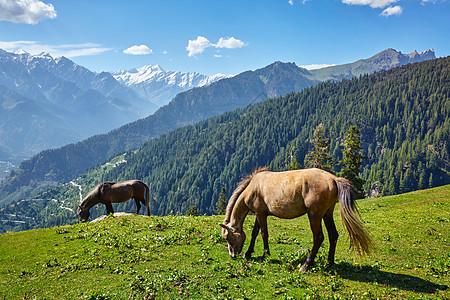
47 102
160 87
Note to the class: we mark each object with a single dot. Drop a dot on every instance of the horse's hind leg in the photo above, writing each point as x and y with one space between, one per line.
138 205
255 233
332 234
109 209
316 228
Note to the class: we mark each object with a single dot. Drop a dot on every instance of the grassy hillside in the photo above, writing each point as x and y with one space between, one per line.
135 257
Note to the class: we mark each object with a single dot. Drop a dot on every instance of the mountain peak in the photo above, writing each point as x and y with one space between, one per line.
150 80
43 55
20 52
151 68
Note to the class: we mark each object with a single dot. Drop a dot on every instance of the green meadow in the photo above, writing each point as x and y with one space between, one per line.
176 257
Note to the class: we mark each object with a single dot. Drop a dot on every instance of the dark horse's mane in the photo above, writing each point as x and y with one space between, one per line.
96 192
240 188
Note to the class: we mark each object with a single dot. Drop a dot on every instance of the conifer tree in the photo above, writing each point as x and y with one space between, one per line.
221 204
352 160
193 211
319 156
291 161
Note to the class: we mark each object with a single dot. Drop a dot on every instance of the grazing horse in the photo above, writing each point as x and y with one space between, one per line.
115 192
289 195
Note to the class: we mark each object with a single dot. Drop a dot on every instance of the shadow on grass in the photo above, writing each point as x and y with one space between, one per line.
374 275
368 274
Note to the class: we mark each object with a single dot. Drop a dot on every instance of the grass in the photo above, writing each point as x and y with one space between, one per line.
135 257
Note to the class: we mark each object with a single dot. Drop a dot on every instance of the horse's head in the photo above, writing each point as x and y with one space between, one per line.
83 214
235 239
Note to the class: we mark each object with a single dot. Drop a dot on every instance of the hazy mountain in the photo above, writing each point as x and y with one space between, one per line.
24 124
47 103
60 165
158 86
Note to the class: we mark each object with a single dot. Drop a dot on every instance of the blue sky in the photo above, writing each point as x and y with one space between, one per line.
217 36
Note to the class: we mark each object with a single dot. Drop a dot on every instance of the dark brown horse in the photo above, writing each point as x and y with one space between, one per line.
289 195
115 192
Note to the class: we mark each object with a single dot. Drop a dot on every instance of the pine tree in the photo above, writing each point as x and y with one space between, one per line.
192 211
221 204
352 160
319 156
291 161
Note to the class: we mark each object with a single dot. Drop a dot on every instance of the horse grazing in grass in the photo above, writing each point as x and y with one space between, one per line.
289 195
115 192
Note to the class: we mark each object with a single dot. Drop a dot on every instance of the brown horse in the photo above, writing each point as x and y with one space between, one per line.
289 195
115 192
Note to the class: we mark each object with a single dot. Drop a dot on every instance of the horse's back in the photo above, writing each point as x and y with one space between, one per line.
291 194
125 190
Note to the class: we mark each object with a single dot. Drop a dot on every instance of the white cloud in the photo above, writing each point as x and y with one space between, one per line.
25 11
218 55
138 50
197 46
371 3
396 10
291 2
67 50
229 43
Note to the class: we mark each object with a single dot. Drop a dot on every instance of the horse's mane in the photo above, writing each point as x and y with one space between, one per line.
237 192
95 193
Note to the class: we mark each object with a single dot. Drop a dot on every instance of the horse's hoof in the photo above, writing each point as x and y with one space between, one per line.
329 265
247 255
303 268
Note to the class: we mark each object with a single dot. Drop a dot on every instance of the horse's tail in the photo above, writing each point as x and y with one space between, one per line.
147 200
360 240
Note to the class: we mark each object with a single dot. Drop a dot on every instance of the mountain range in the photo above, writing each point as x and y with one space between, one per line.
48 102
277 79
159 86
384 60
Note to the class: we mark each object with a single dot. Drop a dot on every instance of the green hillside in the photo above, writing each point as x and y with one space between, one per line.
176 257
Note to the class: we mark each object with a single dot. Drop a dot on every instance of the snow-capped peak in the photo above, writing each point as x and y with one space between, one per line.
150 79
20 52
154 73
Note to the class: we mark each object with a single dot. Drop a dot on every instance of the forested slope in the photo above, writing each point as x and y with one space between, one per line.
403 115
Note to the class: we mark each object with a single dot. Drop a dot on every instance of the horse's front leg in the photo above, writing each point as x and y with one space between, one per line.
262 220
109 208
255 233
